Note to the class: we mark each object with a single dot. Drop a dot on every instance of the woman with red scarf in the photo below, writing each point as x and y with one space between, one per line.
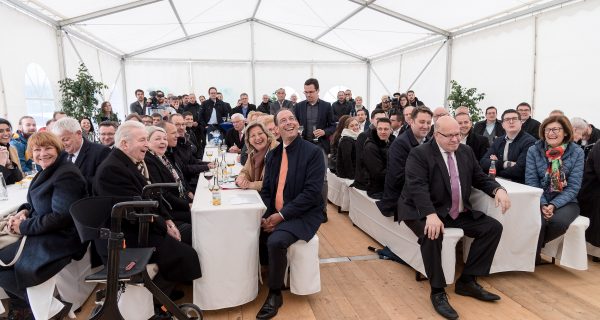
555 164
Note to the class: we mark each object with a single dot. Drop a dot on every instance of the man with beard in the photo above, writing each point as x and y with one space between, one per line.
26 128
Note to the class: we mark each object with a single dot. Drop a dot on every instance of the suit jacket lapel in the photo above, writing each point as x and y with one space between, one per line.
463 173
439 159
82 153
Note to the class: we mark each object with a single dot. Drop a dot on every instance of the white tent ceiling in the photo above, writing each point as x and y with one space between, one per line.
352 29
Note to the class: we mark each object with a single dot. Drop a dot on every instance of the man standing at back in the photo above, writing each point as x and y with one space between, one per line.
317 118
439 177
212 112
139 105
280 103
292 184
530 125
341 106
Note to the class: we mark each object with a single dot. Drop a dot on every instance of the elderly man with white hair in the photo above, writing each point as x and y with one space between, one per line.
234 138
124 174
87 156
584 133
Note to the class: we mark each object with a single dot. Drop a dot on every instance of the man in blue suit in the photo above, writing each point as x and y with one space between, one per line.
316 116
293 181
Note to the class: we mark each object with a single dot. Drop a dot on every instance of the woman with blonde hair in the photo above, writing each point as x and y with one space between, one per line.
259 141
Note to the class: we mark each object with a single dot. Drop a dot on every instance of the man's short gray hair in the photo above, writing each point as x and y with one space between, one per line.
237 115
579 123
124 131
66 124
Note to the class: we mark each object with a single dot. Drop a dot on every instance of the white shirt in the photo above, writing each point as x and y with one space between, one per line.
362 126
461 206
76 154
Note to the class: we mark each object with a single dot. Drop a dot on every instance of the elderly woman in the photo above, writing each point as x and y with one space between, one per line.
106 113
555 164
10 167
259 142
346 157
52 239
87 129
161 170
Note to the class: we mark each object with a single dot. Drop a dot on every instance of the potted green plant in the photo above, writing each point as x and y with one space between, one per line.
78 95
469 98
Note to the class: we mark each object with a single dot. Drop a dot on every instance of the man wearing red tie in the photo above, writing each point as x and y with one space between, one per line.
439 176
292 184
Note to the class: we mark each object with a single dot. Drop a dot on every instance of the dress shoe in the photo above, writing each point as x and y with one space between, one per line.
64 312
442 306
473 289
595 259
325 219
271 306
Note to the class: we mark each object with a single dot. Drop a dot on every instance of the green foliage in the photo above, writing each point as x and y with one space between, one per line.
460 96
78 95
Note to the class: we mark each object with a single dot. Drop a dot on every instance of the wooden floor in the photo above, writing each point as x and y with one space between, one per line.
381 289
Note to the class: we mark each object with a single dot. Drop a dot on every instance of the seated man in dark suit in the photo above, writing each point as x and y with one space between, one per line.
510 150
478 143
292 184
490 127
439 177
420 122
234 138
376 152
87 156
530 125
124 174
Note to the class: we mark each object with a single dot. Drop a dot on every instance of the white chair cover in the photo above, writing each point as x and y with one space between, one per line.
303 263
570 248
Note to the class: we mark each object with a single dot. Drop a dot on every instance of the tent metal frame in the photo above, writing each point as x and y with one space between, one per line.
63 26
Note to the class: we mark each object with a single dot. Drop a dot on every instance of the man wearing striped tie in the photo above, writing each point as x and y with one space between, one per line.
292 184
439 176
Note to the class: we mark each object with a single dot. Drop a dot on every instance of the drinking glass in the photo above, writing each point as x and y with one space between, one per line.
315 139
208 175
300 130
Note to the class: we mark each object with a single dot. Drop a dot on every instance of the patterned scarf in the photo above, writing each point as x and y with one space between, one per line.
555 176
170 167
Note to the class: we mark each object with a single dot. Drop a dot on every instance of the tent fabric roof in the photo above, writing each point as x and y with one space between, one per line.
362 29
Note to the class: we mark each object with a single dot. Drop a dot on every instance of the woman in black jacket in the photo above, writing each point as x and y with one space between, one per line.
10 167
52 239
346 157
161 170
337 134
375 157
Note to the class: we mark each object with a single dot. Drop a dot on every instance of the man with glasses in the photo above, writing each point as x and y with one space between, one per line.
530 125
439 177
510 150
316 116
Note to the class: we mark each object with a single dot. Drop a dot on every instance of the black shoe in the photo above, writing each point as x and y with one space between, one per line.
325 219
271 306
442 306
473 289
595 259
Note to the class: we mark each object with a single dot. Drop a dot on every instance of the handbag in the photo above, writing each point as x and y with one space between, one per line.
7 238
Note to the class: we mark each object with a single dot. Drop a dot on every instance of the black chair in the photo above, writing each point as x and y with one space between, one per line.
124 265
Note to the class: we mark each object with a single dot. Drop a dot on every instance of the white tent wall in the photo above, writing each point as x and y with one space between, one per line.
104 67
568 67
31 42
498 62
271 76
385 79
167 76
334 77
430 85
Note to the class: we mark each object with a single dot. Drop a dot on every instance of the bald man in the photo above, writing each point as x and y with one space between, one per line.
439 177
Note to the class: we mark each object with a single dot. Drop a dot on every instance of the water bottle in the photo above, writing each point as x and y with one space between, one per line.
3 190
216 194
492 171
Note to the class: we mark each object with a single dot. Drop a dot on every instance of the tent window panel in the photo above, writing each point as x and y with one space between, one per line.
39 99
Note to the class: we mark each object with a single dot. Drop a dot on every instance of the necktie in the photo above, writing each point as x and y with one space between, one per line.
140 167
281 184
70 157
455 186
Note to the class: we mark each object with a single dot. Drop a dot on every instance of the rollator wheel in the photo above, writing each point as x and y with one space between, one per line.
191 310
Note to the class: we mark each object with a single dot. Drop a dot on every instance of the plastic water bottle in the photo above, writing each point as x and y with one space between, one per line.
3 190
216 194
492 171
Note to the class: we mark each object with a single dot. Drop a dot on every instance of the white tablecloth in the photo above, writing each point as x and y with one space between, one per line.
517 247
17 195
226 239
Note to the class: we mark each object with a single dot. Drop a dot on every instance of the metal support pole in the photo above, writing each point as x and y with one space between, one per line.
124 84
380 81
400 73
191 75
62 69
448 72
534 75
366 100
426 66
3 104
252 62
